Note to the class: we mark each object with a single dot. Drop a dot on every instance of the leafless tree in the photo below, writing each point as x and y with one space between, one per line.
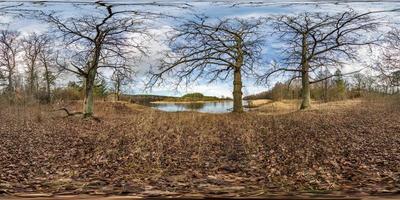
119 79
9 48
214 50
32 46
46 59
316 40
388 63
96 41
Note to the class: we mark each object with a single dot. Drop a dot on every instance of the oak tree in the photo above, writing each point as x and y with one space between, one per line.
213 49
316 40
96 40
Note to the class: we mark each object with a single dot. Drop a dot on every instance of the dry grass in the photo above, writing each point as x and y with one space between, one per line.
289 106
258 102
351 147
276 107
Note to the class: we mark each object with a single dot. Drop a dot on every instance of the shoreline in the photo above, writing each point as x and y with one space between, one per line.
187 102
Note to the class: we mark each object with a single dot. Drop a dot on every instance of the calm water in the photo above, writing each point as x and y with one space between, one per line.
207 107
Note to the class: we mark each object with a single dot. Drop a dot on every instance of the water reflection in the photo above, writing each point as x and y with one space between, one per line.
208 107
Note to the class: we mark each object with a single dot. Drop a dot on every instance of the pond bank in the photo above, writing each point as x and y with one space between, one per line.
187 102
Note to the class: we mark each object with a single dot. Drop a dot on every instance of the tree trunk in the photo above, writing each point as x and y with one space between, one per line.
31 74
48 92
48 89
237 77
31 82
237 91
305 92
89 84
88 101
305 81
10 86
118 90
10 89
47 77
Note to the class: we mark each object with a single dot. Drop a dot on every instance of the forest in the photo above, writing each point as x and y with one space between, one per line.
204 100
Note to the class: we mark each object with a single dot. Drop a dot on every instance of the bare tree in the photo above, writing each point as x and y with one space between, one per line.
96 41
9 48
203 48
388 63
32 47
315 40
119 79
47 58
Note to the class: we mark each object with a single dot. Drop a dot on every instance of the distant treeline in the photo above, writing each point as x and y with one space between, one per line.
184 98
337 88
74 91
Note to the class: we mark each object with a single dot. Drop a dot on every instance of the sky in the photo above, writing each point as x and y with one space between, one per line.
212 9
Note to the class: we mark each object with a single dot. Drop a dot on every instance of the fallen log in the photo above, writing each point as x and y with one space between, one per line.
68 112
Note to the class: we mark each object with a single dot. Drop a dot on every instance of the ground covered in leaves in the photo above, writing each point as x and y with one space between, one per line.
134 150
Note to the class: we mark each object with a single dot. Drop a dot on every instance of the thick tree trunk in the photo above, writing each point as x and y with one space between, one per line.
237 77
305 92
237 91
305 80
88 102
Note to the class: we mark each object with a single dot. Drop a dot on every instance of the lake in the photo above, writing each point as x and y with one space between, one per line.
206 107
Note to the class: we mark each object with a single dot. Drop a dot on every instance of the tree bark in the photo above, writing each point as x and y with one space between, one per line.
88 102
305 92
305 81
118 89
237 91
237 77
48 92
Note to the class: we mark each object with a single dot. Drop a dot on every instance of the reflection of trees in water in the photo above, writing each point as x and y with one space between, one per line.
193 106
213 107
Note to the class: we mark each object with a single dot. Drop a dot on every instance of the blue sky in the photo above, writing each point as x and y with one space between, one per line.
213 9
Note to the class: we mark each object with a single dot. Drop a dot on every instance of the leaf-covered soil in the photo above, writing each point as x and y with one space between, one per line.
132 150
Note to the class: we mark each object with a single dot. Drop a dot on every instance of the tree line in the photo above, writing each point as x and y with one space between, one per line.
201 48
335 89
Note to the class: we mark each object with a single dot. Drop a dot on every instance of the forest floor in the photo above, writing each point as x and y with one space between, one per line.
334 149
